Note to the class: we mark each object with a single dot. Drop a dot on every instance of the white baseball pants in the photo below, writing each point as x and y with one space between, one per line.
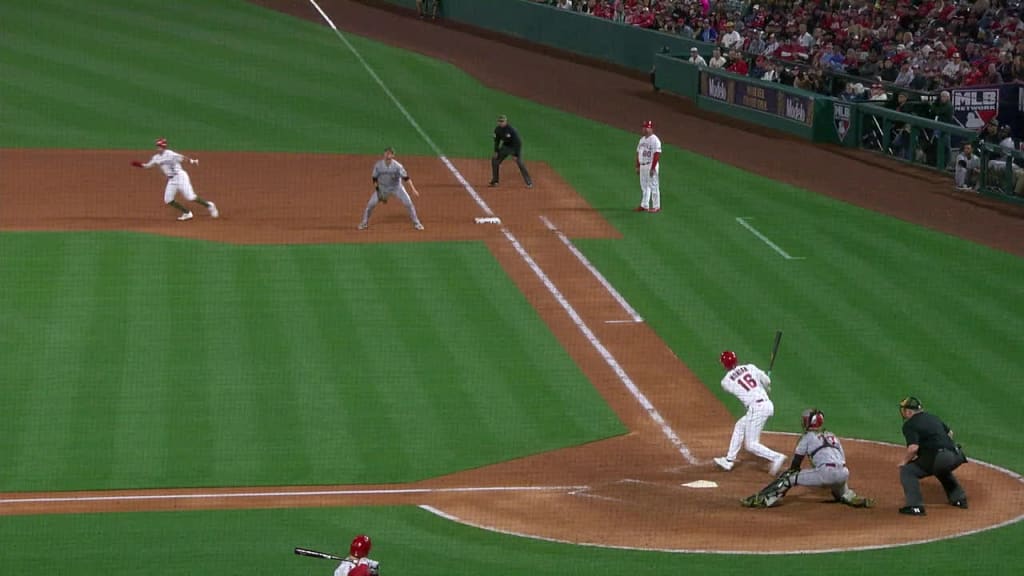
650 187
180 183
747 432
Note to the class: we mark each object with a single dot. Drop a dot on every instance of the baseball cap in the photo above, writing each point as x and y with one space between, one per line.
161 142
693 49
648 124
502 118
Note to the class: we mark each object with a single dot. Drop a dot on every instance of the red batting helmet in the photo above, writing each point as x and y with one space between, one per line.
728 359
360 547
812 419
649 124
161 142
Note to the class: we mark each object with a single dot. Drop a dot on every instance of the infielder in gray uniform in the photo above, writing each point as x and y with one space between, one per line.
389 179
828 467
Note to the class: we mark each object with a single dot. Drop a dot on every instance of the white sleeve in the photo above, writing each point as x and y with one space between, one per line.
151 162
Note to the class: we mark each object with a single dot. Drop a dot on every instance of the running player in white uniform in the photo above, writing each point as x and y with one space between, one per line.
751 385
357 563
828 467
178 180
388 178
648 154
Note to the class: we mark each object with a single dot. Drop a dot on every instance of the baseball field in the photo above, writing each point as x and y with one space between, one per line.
538 395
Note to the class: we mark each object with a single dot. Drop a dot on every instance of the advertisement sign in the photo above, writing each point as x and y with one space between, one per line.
974 107
841 120
766 99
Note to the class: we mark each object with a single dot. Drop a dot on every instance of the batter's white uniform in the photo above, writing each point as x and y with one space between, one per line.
178 181
349 564
649 186
750 384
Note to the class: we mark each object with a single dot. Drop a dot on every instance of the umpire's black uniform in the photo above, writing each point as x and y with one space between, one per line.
937 455
507 143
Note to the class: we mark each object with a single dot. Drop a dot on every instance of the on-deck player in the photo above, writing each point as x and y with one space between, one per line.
178 180
648 155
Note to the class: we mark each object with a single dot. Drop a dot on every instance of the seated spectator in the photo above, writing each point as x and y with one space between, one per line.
717 60
941 109
771 73
731 39
878 94
952 68
771 46
696 59
737 63
968 167
707 33
757 44
889 71
905 77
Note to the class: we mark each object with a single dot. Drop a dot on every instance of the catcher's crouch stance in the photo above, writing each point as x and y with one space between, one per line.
828 461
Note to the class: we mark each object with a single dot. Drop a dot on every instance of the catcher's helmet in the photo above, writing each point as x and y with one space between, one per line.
360 547
728 359
812 419
648 124
161 142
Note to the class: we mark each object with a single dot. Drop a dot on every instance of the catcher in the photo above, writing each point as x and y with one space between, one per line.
828 461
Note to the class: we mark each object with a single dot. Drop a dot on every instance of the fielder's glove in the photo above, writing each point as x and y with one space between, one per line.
380 197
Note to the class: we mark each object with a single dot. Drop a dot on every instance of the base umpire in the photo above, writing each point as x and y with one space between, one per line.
930 452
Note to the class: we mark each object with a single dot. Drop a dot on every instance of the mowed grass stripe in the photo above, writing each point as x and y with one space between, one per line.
205 89
208 364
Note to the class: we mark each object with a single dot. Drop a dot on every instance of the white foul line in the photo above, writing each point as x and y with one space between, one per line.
743 222
605 354
608 358
600 277
286 494
373 74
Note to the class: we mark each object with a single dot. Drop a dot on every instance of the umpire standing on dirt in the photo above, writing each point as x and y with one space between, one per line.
930 451
507 143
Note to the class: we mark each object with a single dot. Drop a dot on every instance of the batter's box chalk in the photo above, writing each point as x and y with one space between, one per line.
490 220
701 484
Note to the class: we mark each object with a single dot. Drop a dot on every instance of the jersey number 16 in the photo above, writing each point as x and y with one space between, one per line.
748 381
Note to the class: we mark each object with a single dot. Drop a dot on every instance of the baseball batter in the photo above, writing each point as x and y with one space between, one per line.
751 385
357 562
648 154
828 467
389 179
178 181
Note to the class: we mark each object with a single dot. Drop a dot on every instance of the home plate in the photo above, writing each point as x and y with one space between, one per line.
701 484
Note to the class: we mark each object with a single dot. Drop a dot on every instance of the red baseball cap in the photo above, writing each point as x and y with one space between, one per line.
161 142
648 124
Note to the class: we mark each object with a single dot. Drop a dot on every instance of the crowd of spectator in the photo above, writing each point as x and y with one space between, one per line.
918 45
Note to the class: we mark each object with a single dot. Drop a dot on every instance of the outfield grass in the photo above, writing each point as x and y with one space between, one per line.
110 336
142 361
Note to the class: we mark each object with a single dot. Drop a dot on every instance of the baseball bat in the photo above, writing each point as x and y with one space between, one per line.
775 349
315 554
